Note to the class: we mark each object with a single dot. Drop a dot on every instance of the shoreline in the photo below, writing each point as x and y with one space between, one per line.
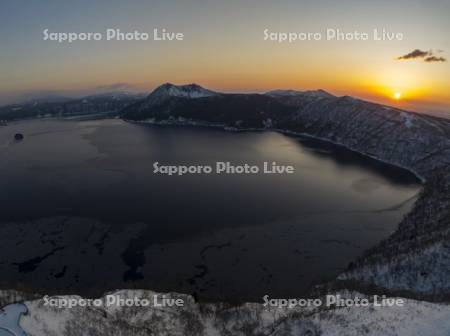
226 128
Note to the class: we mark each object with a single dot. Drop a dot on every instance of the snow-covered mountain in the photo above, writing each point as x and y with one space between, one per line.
194 102
166 95
186 91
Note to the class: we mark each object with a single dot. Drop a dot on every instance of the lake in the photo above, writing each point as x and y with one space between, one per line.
81 210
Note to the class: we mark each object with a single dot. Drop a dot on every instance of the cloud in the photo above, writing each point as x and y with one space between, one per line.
426 56
417 53
435 59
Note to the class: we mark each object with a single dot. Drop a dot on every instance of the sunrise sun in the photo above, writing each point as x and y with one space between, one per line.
397 95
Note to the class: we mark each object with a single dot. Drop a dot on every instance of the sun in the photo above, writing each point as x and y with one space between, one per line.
397 95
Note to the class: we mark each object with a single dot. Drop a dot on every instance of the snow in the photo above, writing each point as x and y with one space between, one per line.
414 318
268 123
9 320
407 119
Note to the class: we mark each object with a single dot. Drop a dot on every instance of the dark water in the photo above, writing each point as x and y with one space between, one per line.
81 210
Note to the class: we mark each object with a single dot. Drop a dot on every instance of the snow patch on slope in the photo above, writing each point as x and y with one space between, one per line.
408 119
9 320
426 271
416 318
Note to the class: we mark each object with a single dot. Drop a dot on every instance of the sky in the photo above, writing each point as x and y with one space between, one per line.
224 48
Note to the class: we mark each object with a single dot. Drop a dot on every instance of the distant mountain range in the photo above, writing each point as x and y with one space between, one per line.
53 106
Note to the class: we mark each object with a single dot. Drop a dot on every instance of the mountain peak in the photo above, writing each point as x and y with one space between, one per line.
185 91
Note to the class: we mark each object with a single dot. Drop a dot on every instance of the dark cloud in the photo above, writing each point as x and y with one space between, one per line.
417 53
435 59
426 56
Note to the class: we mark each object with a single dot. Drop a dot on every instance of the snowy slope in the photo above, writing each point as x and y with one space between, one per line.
415 318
